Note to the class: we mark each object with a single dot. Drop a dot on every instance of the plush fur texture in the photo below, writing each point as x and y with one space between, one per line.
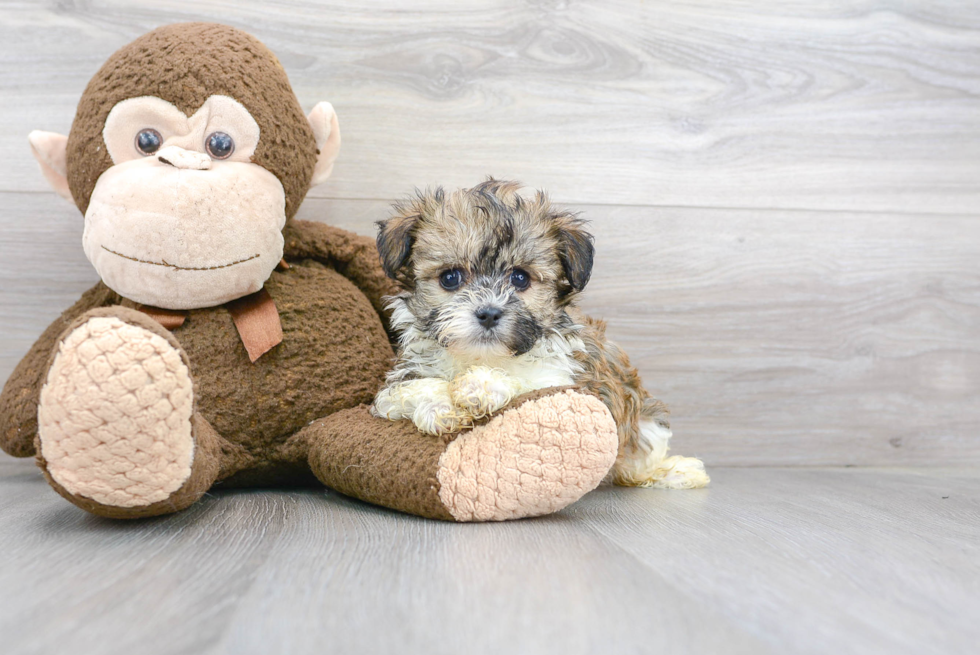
489 312
200 60
204 227
140 243
511 465
523 466
115 414
122 437
259 406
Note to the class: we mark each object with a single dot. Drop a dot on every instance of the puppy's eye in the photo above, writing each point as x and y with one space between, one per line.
520 279
451 280
220 145
148 141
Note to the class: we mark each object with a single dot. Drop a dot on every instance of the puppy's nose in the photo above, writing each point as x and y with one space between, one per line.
489 316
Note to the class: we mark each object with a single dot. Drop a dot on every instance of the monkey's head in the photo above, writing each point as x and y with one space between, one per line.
188 154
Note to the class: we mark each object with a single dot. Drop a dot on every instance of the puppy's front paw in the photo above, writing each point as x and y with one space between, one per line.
438 417
482 391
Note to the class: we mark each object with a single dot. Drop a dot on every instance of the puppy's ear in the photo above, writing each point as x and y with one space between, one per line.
395 237
575 250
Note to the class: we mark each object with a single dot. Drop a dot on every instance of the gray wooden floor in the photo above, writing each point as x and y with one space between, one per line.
775 560
786 202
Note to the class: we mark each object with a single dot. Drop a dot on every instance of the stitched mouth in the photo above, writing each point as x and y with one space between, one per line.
180 268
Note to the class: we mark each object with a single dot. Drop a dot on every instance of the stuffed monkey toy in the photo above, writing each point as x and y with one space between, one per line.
229 343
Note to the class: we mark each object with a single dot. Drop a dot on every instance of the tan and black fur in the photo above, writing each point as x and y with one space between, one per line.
466 350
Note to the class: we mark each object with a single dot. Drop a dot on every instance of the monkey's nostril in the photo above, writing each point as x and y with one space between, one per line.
489 316
185 159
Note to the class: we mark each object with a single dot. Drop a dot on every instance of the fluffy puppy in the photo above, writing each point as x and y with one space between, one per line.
488 313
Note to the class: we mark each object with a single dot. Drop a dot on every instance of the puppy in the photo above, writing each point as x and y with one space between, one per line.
488 313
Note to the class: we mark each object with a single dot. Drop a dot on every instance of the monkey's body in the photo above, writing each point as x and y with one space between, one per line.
189 156
327 324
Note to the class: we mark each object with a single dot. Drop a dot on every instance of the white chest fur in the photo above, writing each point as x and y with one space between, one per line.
549 363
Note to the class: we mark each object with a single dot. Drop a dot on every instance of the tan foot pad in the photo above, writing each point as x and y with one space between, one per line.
114 417
532 460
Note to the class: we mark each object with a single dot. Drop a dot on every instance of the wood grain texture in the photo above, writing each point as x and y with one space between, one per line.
777 338
817 560
780 333
775 561
782 337
833 104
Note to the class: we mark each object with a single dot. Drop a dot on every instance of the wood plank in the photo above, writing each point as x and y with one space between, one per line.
312 572
827 105
789 338
765 560
783 338
817 560
42 268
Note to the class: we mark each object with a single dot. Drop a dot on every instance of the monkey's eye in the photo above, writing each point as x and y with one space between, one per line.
451 280
148 141
520 279
220 145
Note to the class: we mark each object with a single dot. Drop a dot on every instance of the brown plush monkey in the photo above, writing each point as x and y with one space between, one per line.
229 343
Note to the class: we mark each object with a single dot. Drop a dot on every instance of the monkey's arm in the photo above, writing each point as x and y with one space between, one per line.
354 256
19 399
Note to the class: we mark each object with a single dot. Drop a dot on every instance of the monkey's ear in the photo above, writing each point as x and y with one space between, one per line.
395 238
575 250
49 150
326 130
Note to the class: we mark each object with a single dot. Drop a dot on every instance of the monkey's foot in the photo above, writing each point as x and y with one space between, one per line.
481 391
114 419
533 459
545 451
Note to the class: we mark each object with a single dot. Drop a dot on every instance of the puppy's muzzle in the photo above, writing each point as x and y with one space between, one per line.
489 317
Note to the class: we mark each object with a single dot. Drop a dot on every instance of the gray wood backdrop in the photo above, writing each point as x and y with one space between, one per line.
784 195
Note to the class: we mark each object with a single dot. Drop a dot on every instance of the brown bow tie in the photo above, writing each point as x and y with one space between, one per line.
255 315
